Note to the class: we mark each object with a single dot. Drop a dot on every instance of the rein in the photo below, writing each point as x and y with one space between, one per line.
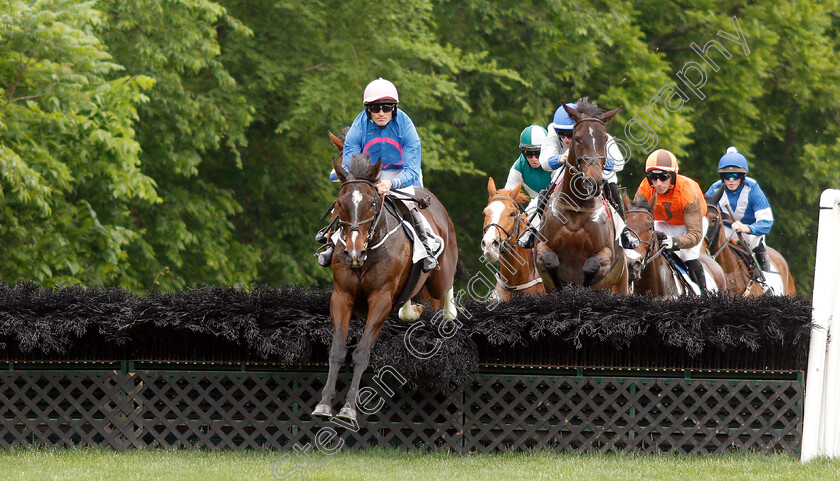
647 259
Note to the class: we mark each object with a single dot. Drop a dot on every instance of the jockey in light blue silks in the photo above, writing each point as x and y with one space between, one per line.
553 154
385 132
744 198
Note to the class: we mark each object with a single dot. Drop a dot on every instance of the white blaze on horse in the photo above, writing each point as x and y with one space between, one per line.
504 222
580 243
373 272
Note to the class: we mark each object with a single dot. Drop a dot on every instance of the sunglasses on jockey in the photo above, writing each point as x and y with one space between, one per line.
374 108
659 175
731 176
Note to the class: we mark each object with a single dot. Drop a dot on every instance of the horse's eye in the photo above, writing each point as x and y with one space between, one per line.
512 214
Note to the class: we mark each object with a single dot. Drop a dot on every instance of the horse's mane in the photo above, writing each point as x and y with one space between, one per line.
343 134
360 167
521 197
588 107
641 203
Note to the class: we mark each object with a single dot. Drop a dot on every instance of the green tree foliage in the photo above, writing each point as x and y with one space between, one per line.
305 69
191 130
191 134
69 155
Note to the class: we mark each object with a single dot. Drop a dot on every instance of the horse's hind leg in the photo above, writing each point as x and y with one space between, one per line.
379 305
341 308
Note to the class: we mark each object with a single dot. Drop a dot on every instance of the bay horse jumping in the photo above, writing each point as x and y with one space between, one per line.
503 223
739 279
373 269
578 236
650 271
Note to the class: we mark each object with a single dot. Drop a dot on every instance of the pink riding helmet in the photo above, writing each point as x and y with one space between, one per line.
380 89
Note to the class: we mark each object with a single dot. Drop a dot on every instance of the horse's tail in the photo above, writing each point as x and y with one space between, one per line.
461 272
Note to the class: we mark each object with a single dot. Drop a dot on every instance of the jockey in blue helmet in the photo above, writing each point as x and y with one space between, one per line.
553 154
745 200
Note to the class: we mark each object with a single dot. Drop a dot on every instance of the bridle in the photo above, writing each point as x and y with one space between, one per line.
656 251
510 241
573 167
378 203
713 232
511 236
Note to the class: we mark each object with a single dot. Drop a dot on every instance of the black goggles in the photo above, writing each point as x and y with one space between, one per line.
731 175
658 175
530 153
564 133
374 108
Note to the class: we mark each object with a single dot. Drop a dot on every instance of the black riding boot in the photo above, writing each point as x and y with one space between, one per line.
628 240
325 256
614 196
323 237
429 263
763 258
695 271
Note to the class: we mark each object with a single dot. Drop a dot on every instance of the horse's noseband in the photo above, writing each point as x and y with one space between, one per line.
650 255
511 236
377 212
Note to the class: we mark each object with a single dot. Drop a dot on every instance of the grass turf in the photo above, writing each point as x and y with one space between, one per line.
378 464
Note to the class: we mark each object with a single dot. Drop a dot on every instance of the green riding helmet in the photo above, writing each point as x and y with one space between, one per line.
532 137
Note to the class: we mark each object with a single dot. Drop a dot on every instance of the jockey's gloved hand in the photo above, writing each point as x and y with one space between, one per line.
667 241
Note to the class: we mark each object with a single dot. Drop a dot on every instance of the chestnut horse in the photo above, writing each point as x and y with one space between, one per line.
650 271
578 236
373 268
503 223
739 278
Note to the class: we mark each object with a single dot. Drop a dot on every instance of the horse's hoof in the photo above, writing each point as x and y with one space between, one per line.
347 415
410 312
323 411
550 260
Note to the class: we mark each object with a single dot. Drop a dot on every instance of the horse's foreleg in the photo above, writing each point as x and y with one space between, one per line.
341 309
379 305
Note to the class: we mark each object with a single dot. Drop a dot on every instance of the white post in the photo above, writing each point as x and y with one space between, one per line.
821 426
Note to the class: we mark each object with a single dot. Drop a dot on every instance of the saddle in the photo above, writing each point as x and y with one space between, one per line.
680 270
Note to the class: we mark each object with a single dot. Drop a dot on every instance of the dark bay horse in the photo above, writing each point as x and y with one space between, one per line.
503 223
650 271
739 279
371 270
579 239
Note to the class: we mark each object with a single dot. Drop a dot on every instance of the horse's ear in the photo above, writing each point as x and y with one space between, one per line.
717 195
339 144
514 193
374 172
491 187
339 170
607 116
652 201
625 199
573 113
